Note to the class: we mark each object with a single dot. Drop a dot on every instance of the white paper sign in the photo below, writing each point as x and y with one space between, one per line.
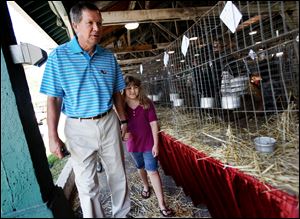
141 68
185 44
231 16
166 59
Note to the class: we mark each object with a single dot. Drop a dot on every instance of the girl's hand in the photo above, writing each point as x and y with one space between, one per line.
155 151
123 129
127 136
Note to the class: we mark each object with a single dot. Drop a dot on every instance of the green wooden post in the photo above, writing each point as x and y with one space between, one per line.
20 192
27 188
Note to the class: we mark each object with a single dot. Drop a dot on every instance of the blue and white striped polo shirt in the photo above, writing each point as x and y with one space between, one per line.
86 83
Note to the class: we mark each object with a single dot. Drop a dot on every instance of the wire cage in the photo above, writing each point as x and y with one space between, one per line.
244 84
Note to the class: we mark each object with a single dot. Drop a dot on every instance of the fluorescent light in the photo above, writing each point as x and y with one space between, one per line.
182 60
171 52
157 60
131 26
253 32
193 38
196 54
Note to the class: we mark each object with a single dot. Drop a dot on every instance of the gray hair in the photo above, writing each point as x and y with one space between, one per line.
76 10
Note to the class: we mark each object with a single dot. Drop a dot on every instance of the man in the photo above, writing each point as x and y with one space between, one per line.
84 81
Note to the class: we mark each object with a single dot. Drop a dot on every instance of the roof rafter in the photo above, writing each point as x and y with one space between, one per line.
152 15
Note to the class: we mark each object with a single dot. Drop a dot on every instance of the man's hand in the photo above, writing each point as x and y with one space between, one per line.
56 145
53 113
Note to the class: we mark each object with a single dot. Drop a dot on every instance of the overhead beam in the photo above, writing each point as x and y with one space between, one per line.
132 67
147 3
162 45
134 61
251 21
152 15
165 29
170 14
140 48
58 8
131 5
108 41
103 4
108 29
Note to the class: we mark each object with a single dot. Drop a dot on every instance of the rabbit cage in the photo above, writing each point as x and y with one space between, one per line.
231 87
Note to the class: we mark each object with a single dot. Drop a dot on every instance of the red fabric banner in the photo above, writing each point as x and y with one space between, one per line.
227 192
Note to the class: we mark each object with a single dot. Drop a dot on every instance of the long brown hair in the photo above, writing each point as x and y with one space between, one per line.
134 81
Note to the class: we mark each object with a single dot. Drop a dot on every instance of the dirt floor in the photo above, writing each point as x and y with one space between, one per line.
147 208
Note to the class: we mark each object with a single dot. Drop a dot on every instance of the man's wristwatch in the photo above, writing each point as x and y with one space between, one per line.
124 121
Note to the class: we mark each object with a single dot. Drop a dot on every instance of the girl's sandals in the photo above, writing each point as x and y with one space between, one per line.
145 194
167 212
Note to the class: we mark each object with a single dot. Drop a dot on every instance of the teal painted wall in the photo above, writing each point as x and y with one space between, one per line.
20 191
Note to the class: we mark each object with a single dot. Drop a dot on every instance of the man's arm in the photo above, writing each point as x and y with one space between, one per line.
53 114
120 108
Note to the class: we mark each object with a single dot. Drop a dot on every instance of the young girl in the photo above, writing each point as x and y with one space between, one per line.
142 140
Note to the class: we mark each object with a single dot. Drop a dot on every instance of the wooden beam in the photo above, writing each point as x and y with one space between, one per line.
165 29
140 48
134 61
147 3
162 45
58 8
251 21
152 15
126 68
172 14
131 5
108 41
104 4
128 38
108 29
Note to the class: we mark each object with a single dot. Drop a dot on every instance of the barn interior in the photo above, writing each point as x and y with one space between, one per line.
226 94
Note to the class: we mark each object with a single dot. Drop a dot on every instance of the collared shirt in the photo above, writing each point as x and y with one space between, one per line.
139 119
86 83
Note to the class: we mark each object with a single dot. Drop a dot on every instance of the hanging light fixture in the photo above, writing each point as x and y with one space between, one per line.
131 26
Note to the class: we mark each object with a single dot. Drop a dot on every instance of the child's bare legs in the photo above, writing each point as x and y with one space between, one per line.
143 175
156 183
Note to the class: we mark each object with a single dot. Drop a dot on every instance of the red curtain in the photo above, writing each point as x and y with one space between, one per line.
227 192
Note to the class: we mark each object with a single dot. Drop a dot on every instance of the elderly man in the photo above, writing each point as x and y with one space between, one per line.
84 81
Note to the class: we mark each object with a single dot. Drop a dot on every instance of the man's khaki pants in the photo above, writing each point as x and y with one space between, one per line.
85 139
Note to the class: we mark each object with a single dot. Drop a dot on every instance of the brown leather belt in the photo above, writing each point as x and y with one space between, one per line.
95 117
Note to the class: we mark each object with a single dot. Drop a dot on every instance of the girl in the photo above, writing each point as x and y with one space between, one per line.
142 140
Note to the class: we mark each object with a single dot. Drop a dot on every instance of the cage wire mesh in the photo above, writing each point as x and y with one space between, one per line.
237 82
